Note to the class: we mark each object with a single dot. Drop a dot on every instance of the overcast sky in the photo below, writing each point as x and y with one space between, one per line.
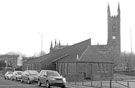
71 21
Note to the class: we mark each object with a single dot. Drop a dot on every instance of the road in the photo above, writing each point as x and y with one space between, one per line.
17 84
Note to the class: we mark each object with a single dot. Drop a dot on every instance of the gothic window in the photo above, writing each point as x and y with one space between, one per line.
113 28
98 67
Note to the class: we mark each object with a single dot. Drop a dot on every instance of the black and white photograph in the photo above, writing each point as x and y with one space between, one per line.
67 44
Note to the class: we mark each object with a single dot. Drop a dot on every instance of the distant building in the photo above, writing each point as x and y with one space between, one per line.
11 60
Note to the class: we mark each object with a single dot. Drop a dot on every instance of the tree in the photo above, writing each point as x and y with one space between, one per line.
42 53
2 64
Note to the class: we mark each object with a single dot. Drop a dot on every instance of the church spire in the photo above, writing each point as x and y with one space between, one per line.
55 42
118 9
108 10
59 43
51 45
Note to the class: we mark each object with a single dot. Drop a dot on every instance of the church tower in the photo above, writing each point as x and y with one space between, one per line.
114 39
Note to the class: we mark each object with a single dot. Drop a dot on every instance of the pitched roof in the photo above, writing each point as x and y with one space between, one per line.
93 54
70 52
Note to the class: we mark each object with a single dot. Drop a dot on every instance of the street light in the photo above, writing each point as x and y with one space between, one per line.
6 63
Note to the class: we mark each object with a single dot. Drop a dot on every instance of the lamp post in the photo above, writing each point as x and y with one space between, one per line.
5 69
6 63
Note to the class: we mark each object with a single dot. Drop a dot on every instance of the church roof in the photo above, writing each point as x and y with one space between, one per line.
93 54
69 53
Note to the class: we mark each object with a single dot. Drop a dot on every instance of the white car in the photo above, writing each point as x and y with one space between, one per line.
17 75
8 75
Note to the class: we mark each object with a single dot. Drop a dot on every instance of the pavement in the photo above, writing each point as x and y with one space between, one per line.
77 86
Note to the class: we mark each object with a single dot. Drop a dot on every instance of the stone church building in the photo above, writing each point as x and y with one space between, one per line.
83 60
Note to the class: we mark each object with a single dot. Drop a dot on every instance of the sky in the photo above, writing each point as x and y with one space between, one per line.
23 22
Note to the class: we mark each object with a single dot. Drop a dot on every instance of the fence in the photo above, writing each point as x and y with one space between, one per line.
114 83
129 83
97 84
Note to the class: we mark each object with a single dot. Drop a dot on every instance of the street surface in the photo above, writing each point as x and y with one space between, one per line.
17 84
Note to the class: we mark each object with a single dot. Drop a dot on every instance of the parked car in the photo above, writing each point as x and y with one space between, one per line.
51 78
30 76
17 75
8 75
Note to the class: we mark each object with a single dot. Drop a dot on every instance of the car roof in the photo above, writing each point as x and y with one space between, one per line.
9 72
48 71
18 71
31 70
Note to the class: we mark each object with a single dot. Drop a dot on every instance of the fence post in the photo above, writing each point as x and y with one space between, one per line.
82 82
91 83
128 83
101 83
110 83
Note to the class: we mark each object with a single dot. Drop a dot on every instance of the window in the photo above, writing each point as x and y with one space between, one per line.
98 67
102 67
113 28
59 68
65 68
71 68
113 37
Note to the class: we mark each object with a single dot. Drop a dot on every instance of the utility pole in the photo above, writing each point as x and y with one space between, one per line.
41 41
131 48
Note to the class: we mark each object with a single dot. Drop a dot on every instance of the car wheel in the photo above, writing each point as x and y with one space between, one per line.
21 81
12 79
39 83
28 81
5 78
63 86
47 84
16 78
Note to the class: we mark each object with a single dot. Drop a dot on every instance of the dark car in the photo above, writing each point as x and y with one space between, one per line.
51 78
29 76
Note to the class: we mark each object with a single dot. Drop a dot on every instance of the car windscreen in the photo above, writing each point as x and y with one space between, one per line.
19 73
10 72
33 72
53 73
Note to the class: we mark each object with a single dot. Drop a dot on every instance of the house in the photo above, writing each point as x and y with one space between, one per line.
10 60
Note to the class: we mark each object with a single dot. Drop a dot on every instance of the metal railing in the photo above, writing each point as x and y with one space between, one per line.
114 83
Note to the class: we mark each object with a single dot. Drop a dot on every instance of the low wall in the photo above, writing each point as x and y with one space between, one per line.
74 77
